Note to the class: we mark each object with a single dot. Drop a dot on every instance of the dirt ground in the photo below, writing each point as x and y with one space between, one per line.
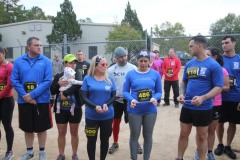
165 138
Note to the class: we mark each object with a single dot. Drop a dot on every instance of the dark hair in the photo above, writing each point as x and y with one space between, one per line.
155 51
216 52
4 51
200 39
30 39
228 36
173 49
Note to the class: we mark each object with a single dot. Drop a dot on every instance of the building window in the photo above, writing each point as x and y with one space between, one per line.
92 51
31 27
10 52
38 27
47 52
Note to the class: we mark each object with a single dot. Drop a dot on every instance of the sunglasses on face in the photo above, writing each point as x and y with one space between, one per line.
104 64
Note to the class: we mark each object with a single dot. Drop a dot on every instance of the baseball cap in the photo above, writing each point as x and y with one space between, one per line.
69 58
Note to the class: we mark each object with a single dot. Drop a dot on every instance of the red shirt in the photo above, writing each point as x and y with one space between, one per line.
5 80
172 66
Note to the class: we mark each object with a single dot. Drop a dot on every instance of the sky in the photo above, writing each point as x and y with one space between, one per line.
196 16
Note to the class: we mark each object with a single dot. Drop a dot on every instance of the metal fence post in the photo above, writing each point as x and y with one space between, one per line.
151 40
64 44
145 39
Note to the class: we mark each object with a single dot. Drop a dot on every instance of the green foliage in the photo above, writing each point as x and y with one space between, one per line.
87 20
227 25
131 19
10 12
123 33
65 23
165 31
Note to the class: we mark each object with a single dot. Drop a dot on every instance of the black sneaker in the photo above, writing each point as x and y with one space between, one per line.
219 150
165 104
228 151
113 148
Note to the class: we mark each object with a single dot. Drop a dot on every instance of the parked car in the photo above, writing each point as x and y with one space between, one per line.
184 57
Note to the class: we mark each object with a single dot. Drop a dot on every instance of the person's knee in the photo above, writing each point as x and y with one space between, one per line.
201 136
62 133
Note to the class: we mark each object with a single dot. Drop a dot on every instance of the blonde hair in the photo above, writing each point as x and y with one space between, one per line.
94 62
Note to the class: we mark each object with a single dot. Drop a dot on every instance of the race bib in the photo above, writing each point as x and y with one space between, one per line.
192 72
66 103
2 86
144 95
91 131
170 70
232 81
30 86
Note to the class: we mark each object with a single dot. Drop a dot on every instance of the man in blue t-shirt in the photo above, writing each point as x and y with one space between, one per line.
202 80
231 99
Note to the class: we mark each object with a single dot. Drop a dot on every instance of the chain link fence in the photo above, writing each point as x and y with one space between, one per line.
163 44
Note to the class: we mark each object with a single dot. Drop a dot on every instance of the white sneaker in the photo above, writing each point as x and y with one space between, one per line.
8 156
42 155
26 156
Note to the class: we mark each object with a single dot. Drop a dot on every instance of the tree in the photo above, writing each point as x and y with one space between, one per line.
87 20
10 12
120 36
36 13
65 23
170 30
131 19
227 25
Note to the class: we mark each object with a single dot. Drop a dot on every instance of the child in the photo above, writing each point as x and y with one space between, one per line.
69 75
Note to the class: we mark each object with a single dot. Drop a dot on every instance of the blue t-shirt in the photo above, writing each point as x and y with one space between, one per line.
137 85
232 65
99 94
201 77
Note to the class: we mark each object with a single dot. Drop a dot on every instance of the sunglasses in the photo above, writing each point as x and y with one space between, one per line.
98 59
104 64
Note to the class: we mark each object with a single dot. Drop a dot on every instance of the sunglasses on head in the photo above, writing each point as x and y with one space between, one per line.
98 59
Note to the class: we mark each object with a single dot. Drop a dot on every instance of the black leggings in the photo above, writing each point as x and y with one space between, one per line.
6 114
105 132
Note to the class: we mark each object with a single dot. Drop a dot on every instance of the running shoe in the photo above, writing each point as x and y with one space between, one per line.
140 150
42 155
228 151
61 157
8 156
26 156
75 157
211 156
113 148
219 150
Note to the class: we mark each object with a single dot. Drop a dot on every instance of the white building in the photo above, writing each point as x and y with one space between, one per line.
14 36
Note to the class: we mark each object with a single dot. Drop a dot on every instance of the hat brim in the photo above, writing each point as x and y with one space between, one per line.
72 59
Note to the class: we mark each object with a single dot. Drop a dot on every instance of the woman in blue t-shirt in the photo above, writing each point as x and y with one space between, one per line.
98 91
142 89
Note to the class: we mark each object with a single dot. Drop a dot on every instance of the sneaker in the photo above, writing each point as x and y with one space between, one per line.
228 151
165 104
196 157
211 156
26 156
42 155
61 157
113 148
176 105
140 150
75 157
219 150
8 156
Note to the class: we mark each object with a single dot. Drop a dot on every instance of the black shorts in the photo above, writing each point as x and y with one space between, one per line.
120 108
230 113
35 118
65 116
217 112
196 117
